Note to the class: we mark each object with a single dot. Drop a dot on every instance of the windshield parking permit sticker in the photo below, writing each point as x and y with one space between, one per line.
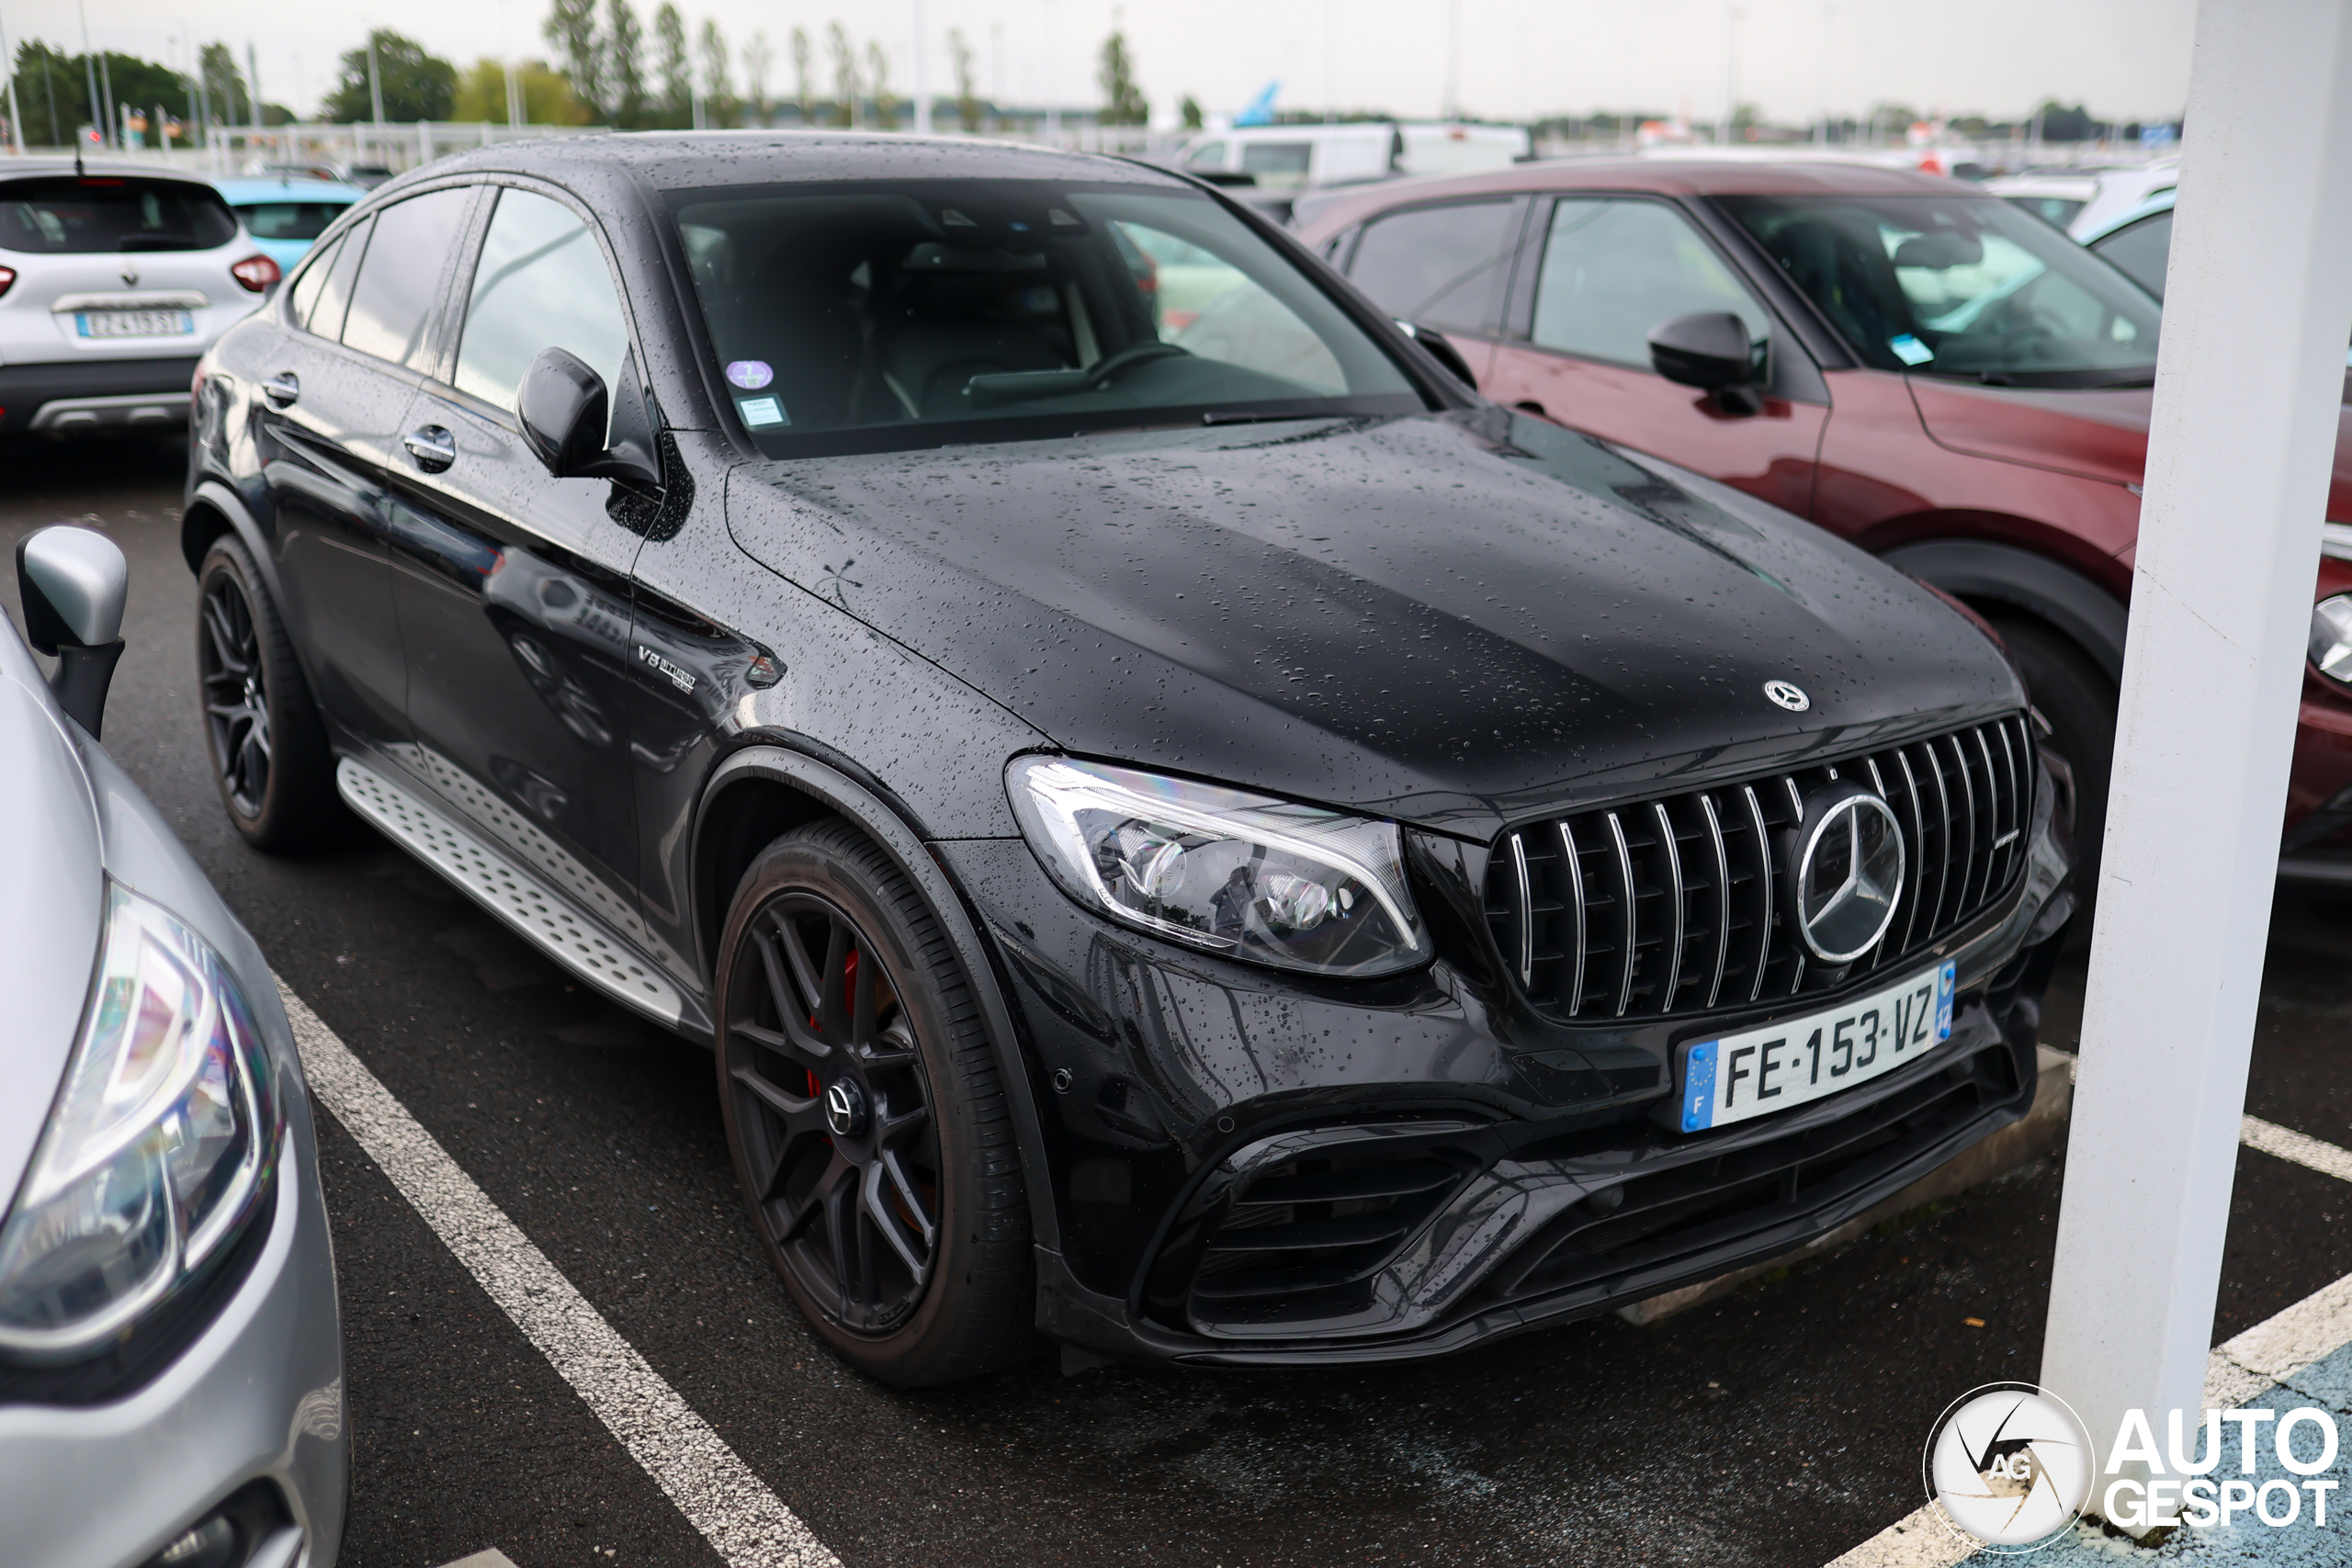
749 374
1909 349
760 413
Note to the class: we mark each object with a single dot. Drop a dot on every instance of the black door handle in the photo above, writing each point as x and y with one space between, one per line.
433 447
282 390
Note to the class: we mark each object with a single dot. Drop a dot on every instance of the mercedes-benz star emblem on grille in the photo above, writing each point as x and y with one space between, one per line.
1788 694
1849 873
845 1109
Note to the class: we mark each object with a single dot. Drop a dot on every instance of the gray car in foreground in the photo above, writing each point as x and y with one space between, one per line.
171 1367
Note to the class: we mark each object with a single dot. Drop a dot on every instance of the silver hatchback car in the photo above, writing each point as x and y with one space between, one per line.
171 1365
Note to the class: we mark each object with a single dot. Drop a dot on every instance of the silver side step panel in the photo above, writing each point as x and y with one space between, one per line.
510 891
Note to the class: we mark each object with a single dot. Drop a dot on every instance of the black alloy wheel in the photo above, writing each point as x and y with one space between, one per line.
236 705
264 736
835 1114
868 1123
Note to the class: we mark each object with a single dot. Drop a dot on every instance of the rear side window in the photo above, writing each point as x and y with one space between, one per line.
313 283
1440 267
290 219
541 283
400 277
2142 251
333 295
65 215
1614 270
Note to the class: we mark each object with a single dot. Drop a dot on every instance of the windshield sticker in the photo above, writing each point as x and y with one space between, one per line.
1909 349
760 413
749 374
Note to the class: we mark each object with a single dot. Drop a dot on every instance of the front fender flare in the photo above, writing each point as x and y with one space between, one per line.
911 855
1979 569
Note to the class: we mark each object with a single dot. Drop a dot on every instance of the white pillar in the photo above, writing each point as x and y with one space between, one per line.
922 77
2256 308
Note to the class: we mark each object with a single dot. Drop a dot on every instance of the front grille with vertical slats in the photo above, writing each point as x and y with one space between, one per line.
1679 904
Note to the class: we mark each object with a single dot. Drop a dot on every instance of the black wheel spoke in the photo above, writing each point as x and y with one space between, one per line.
792 1013
802 1118
890 1166
884 1221
831 1017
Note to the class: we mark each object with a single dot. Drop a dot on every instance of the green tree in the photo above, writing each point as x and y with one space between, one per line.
570 30
1190 111
548 97
759 58
2060 123
675 106
846 86
721 109
417 84
53 93
624 66
1123 101
225 84
877 81
803 75
967 102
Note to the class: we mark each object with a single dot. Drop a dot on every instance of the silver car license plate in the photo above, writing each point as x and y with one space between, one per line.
1766 1070
134 324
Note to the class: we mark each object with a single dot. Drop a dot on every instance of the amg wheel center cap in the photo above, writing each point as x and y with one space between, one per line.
1848 871
845 1109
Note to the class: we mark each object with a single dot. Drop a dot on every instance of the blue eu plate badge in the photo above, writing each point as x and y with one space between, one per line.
1766 1070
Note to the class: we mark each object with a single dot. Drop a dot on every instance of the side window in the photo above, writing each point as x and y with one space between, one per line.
1207 155
1442 266
335 293
393 303
541 283
1280 165
312 282
1614 270
2141 251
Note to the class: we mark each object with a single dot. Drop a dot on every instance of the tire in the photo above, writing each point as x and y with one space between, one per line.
2076 697
263 733
864 1109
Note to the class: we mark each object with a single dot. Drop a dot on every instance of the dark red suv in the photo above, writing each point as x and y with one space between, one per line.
1918 366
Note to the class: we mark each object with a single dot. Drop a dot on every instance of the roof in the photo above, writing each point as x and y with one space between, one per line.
244 191
2160 202
1658 176
100 168
686 160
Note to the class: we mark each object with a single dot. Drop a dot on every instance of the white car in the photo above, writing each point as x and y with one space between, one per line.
113 279
1303 157
2054 199
2121 191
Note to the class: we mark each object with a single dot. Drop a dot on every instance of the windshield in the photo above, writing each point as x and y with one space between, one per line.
1966 288
894 314
62 215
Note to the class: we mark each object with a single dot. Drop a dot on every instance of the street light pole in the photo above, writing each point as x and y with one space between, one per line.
922 77
2240 447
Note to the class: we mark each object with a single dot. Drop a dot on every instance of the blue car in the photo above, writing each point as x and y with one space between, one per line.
284 215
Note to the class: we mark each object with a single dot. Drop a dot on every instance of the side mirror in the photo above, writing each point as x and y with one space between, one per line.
565 413
1710 350
1441 348
73 582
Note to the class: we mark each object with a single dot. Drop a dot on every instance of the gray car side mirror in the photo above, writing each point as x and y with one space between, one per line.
1710 350
565 411
73 582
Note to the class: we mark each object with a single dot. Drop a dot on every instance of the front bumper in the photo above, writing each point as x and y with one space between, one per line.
78 395
250 1414
1469 1176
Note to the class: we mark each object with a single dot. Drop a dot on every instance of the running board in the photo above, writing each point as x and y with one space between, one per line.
509 890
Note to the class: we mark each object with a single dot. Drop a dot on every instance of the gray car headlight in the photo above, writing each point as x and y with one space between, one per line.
155 1149
2331 637
1243 874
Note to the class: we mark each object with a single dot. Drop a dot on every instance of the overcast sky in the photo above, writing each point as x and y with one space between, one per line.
2125 59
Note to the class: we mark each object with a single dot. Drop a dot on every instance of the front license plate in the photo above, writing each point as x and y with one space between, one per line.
1765 1070
134 324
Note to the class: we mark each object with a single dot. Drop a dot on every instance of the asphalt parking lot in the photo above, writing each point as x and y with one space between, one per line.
1780 1425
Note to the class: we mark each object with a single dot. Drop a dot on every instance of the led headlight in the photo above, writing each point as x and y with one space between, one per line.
155 1149
1242 874
2331 637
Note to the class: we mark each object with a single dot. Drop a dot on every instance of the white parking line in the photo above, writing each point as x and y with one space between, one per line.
2270 1352
2287 1144
745 1522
